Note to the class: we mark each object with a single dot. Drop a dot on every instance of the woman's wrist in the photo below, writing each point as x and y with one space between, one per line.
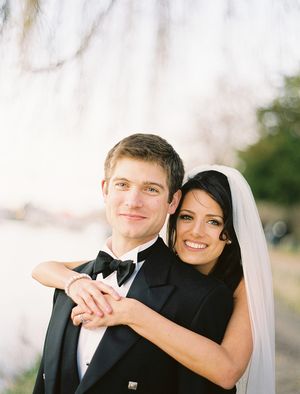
73 279
134 312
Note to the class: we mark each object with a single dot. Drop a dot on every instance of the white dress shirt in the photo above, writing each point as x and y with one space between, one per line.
89 339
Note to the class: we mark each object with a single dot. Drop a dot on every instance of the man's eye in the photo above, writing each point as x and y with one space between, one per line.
120 185
151 189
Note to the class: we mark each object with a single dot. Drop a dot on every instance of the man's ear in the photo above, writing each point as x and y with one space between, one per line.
104 187
175 201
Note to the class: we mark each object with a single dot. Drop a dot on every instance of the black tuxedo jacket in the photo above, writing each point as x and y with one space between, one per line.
172 288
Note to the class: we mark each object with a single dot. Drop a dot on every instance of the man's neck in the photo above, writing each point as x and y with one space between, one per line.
121 246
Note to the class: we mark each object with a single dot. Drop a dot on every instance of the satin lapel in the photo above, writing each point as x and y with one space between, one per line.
59 319
60 316
150 288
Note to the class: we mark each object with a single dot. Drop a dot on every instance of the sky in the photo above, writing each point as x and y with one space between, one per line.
86 74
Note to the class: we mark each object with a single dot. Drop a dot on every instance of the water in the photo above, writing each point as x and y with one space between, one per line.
25 304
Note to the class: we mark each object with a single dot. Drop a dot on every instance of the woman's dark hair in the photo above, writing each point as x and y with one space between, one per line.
228 267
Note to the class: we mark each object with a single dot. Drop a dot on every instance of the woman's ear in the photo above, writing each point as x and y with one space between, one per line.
175 201
225 237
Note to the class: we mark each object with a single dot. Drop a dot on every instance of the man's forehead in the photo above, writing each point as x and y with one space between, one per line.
140 172
143 181
128 167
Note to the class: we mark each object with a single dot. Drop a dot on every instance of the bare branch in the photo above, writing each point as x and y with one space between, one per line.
4 14
82 48
163 32
31 11
162 44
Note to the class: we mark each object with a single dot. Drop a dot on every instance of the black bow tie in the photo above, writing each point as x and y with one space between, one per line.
106 264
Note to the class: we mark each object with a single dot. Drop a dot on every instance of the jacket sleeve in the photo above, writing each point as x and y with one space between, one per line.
210 320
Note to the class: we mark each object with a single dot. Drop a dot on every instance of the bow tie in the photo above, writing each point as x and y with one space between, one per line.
106 265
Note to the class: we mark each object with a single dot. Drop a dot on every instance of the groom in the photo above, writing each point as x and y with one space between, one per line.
143 174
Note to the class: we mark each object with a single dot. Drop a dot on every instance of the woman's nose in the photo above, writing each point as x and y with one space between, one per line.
198 228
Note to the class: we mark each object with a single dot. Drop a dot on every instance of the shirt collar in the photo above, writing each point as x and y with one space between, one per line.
131 254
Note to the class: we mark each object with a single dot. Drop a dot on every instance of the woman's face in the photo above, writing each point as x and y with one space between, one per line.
199 224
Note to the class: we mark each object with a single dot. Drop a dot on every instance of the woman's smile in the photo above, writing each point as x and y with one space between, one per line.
195 245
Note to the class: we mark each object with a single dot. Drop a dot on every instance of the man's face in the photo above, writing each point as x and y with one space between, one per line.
136 200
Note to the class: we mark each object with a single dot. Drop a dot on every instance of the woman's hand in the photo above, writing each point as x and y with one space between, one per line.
122 313
89 295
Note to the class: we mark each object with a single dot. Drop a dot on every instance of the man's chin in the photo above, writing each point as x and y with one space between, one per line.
136 235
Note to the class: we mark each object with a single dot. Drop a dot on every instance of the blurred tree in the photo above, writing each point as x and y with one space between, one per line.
272 165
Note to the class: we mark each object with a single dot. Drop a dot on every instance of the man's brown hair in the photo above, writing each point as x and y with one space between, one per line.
150 148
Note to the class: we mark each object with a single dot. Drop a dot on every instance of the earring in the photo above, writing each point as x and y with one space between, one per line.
229 242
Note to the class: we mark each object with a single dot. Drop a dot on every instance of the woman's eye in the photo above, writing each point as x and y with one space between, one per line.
185 217
214 222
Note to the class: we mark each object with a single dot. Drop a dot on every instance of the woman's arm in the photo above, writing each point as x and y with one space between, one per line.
54 273
222 364
84 292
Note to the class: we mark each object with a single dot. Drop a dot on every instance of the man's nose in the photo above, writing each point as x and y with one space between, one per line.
134 198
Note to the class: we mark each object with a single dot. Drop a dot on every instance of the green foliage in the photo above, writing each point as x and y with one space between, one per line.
272 165
25 382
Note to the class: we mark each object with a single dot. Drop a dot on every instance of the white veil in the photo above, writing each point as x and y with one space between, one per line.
259 377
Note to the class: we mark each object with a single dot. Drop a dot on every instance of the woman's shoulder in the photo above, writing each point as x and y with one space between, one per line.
240 293
188 274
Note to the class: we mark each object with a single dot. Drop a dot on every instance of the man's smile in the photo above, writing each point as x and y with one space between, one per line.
132 216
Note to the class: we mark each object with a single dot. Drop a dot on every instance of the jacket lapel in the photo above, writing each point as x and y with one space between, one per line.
151 288
59 319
